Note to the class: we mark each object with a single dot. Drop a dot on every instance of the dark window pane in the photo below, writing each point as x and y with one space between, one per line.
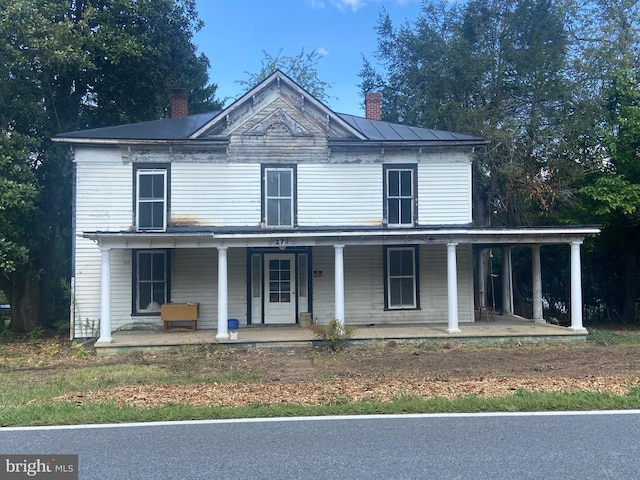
395 268
273 217
405 184
158 215
274 275
393 212
285 184
285 287
158 267
144 295
285 212
395 293
158 293
406 214
273 264
144 266
145 186
285 298
394 183
406 259
274 298
274 286
406 289
272 184
145 215
158 186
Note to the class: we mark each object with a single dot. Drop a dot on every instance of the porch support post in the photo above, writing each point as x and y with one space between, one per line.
576 289
223 308
537 284
339 283
482 280
105 297
452 289
507 296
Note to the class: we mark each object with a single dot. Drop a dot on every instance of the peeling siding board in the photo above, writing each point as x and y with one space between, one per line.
215 194
339 194
364 286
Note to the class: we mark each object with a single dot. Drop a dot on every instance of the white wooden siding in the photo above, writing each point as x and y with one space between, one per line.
331 194
444 193
215 194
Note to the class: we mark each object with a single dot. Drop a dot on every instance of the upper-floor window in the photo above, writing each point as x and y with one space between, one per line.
400 194
151 198
279 195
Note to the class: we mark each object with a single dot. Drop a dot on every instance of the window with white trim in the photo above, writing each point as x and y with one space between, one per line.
401 277
279 199
400 195
151 199
150 280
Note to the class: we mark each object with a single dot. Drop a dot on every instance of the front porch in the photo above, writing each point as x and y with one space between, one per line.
501 328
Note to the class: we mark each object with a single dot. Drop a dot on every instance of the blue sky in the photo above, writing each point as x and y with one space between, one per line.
237 31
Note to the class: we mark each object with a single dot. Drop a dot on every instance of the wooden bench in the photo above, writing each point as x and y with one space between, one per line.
172 313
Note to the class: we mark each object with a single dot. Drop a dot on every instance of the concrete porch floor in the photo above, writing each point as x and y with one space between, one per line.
499 329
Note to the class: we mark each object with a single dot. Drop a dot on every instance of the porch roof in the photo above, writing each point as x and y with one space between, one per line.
197 237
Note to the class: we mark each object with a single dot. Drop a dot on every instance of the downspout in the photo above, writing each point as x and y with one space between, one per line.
72 307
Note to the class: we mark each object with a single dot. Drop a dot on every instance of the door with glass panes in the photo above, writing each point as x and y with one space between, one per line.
279 288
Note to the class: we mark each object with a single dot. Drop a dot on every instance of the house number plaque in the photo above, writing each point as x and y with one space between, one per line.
283 242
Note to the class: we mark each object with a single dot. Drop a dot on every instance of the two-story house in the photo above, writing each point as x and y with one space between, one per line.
277 206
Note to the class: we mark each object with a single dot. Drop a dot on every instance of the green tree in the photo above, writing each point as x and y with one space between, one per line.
68 66
302 68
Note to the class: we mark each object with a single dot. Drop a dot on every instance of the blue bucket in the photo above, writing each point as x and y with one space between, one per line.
233 324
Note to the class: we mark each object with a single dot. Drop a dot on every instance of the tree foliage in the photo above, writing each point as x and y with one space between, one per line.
553 85
67 66
302 68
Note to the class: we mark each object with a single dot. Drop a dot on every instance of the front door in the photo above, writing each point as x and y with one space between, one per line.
279 288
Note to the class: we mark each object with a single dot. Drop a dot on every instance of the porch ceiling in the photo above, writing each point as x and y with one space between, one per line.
344 236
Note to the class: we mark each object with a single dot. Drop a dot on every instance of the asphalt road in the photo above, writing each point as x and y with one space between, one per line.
600 445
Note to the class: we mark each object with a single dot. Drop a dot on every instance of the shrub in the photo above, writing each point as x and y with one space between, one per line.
334 334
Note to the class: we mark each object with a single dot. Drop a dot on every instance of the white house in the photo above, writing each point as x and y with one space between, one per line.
277 206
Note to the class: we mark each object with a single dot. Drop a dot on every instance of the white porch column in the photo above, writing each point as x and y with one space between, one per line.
223 307
105 297
507 295
536 274
339 283
452 289
576 289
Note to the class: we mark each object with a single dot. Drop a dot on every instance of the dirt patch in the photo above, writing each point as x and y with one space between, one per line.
207 376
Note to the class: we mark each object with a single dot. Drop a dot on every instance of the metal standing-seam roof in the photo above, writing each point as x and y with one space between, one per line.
181 128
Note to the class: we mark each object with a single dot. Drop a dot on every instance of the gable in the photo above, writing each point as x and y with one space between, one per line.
278 105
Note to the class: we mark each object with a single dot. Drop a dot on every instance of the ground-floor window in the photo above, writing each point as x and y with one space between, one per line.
150 280
401 277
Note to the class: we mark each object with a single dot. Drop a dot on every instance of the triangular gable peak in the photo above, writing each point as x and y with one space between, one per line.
278 106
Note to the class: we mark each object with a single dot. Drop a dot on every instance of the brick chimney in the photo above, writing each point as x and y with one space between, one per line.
179 102
372 105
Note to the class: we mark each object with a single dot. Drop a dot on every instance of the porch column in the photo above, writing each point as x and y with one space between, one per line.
105 297
576 289
339 283
452 289
482 280
223 308
537 284
507 296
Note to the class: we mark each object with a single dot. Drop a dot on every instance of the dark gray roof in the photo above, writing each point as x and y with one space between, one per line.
389 132
181 128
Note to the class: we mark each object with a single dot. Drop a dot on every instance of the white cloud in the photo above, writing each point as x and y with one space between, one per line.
323 52
317 4
353 5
